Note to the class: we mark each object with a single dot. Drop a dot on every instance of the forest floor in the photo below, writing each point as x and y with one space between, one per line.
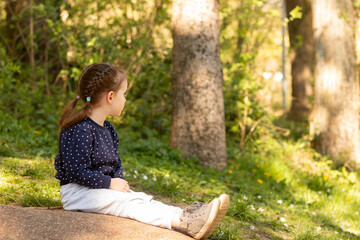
282 191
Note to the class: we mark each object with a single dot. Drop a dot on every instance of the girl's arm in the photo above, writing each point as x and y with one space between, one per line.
118 173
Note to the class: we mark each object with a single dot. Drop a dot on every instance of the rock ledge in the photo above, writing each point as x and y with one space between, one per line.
37 223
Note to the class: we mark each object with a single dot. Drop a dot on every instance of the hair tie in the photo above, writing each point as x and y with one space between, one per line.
78 97
88 99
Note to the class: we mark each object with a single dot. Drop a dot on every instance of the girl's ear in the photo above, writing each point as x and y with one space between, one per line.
109 97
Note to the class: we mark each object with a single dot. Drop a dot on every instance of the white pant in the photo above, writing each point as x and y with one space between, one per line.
134 205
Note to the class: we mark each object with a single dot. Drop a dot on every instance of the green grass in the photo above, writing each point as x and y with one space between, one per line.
28 182
279 189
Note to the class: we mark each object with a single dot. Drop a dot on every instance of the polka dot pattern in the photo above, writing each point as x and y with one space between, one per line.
88 155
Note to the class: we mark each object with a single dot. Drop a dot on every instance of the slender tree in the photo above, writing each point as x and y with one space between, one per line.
336 112
198 125
15 35
302 58
357 33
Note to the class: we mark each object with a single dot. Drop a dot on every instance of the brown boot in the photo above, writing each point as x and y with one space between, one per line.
224 206
196 221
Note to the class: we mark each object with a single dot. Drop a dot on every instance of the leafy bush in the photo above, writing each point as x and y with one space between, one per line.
18 137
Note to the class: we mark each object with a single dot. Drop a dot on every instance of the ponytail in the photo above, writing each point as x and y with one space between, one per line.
70 116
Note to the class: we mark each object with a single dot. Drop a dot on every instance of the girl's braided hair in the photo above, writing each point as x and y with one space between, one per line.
94 81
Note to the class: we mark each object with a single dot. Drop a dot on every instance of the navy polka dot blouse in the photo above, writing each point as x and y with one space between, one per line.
88 155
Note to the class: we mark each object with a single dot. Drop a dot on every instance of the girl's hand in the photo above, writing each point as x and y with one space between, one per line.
120 185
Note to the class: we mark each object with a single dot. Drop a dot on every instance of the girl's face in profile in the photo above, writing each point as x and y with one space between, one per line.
119 100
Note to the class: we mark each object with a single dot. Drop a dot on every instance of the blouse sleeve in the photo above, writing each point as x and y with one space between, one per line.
77 149
118 172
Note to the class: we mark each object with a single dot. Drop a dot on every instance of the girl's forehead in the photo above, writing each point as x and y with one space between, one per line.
125 84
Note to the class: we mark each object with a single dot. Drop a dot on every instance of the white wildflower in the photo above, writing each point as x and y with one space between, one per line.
357 213
267 75
282 219
318 229
136 172
135 176
279 201
245 198
278 76
252 227
308 202
261 209
259 197
252 207
291 205
145 177
154 178
313 213
167 175
336 232
319 192
328 190
285 224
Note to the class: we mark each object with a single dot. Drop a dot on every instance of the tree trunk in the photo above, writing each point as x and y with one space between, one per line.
336 120
198 122
357 38
16 23
302 58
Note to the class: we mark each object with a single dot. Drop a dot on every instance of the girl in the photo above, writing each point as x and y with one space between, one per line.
90 171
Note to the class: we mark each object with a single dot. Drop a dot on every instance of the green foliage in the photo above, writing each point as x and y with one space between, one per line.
135 37
295 13
26 101
243 32
18 138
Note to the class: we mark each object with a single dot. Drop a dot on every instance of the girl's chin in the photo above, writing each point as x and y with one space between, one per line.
116 114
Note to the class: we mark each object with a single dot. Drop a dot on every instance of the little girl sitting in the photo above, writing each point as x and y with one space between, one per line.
89 168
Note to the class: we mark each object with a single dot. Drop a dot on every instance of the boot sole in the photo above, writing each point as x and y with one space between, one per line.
213 214
224 206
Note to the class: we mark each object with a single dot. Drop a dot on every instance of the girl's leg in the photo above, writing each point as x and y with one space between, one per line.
134 205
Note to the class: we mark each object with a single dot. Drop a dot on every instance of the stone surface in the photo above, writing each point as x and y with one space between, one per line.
37 223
